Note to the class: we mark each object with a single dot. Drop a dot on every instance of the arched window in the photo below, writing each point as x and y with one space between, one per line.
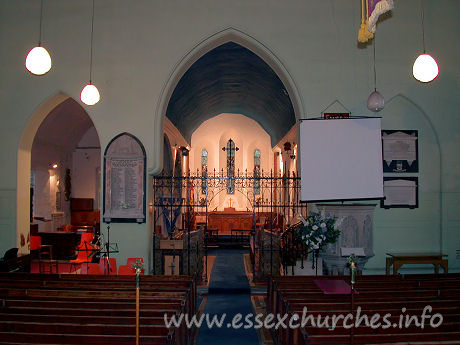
204 171
256 171
231 149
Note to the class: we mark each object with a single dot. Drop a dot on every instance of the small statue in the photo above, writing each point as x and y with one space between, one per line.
67 185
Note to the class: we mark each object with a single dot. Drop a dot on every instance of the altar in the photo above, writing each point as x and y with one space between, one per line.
229 219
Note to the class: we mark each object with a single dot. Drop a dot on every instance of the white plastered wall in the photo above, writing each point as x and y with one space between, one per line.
214 134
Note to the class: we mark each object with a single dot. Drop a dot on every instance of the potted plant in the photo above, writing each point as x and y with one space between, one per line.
317 232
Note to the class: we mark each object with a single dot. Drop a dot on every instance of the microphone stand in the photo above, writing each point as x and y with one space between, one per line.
107 248
138 267
352 262
108 242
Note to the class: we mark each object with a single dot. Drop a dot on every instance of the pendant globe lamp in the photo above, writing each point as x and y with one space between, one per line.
425 67
38 60
90 94
375 102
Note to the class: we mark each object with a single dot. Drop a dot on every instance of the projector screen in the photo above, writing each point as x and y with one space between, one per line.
341 159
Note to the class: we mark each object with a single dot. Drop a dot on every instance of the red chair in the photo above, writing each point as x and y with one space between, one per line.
35 243
108 266
132 261
86 237
83 256
67 228
93 268
126 270
44 253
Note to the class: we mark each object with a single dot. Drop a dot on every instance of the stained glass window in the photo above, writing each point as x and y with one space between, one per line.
256 171
231 148
204 170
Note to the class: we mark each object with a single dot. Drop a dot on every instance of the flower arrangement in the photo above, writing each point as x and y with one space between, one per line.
317 231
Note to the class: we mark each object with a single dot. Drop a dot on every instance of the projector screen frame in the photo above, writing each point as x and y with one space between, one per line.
342 200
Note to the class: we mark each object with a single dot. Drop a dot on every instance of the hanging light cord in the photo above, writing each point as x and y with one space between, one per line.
91 49
423 25
375 73
41 15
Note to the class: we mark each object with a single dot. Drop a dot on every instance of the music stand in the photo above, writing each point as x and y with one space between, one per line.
109 248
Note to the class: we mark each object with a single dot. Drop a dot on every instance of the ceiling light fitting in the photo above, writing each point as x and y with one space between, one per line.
38 60
425 67
375 101
90 94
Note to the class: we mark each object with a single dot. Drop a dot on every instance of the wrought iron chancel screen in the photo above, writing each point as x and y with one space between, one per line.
273 201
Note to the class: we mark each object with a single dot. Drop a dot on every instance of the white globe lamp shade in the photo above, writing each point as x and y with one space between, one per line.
375 102
425 68
90 95
38 61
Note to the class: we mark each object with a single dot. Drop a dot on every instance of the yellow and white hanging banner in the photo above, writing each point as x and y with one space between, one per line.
371 10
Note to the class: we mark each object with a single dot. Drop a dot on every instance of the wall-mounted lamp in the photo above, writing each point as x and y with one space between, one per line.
288 149
294 151
185 151
287 146
150 207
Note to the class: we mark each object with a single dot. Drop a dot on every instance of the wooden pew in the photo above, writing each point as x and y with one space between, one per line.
377 294
104 283
52 309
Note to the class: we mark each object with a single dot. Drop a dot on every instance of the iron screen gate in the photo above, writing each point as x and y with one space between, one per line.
182 206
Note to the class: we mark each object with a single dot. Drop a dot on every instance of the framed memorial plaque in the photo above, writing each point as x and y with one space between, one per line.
400 151
400 192
124 180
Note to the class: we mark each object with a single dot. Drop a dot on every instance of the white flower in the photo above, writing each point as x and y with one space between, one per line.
304 222
315 227
323 225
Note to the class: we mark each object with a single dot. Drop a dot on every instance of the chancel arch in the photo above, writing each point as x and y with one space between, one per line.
227 107
241 41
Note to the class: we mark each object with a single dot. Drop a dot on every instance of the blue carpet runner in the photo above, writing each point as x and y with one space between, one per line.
228 293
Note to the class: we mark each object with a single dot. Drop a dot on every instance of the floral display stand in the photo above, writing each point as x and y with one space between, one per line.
303 243
305 268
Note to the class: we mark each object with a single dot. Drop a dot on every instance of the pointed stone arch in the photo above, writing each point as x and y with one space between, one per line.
206 45
401 111
24 162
